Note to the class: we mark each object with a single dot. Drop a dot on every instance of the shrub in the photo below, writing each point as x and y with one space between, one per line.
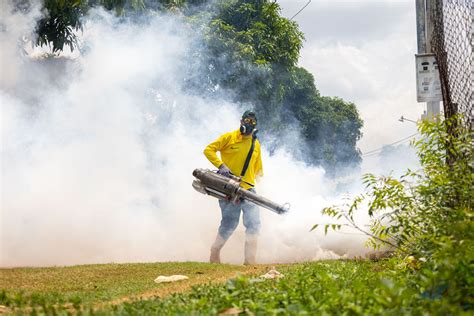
426 215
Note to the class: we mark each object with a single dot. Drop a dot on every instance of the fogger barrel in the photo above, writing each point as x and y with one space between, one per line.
224 188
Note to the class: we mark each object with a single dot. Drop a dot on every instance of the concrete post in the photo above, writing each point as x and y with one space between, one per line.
432 107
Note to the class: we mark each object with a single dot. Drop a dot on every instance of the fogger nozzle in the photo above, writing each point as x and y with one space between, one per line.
224 188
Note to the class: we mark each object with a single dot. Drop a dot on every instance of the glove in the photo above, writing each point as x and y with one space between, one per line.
223 170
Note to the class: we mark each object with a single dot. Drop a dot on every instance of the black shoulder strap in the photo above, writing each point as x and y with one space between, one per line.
249 156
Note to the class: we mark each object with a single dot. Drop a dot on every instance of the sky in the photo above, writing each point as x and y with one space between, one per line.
364 52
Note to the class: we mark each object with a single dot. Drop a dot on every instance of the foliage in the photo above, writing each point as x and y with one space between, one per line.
256 32
427 214
250 48
62 19
330 126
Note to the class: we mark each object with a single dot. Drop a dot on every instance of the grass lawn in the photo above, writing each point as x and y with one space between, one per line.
97 284
339 287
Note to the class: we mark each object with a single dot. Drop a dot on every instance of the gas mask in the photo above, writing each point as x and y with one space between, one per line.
248 126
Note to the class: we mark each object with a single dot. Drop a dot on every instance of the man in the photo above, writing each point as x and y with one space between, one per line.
234 148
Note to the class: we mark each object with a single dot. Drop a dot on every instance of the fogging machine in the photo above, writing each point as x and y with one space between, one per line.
228 188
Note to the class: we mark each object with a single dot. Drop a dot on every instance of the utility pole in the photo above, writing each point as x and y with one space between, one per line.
428 83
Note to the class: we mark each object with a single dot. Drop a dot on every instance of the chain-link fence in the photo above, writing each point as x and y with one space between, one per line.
452 42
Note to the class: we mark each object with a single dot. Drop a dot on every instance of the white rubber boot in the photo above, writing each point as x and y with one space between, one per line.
216 249
250 249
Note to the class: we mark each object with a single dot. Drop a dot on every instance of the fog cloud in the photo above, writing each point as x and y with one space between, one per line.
98 148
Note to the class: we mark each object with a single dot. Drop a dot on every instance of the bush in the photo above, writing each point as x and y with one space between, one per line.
426 216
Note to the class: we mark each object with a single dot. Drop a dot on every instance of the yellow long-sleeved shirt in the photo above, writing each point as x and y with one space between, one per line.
234 148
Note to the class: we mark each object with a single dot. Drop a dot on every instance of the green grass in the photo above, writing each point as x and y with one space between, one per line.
331 287
93 284
343 287
318 288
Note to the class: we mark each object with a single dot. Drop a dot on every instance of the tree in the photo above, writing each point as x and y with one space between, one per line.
330 126
249 47
63 18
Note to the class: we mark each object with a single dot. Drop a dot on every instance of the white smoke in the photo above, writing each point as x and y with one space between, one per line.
97 154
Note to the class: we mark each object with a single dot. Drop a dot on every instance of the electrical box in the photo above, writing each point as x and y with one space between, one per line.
428 85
